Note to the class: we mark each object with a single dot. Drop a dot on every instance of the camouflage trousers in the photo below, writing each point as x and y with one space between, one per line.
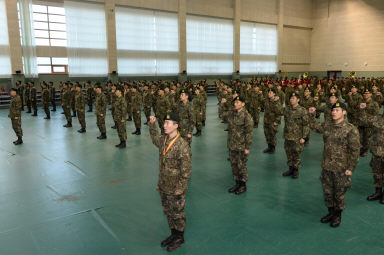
16 125
199 121
81 117
204 117
173 207
365 134
335 186
270 132
255 113
147 112
67 113
377 165
28 103
121 130
129 109
46 110
293 150
34 105
100 121
220 110
137 119
238 161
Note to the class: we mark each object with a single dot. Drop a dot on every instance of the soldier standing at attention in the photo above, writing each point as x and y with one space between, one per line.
120 112
73 98
80 107
15 115
147 103
296 129
198 108
101 110
340 157
377 150
137 102
240 134
52 92
90 92
174 173
113 99
20 92
27 96
185 113
33 96
45 99
66 104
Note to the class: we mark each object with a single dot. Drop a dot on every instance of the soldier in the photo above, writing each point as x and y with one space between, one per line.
101 109
46 100
120 112
175 171
240 134
186 115
198 108
113 99
256 100
205 99
80 107
137 101
327 108
147 102
353 99
15 115
340 157
20 92
377 150
272 115
90 95
66 103
27 96
296 129
162 107
128 99
73 97
372 109
33 97
307 102
52 92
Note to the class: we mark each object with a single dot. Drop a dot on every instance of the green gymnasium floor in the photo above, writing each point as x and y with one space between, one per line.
67 193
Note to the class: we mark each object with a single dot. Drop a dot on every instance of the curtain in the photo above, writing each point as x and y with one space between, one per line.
147 41
258 48
86 39
27 39
209 45
5 59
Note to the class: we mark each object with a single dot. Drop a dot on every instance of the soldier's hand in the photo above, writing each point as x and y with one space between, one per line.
82 110
275 123
277 98
316 98
122 121
189 135
349 93
246 151
302 140
363 105
152 119
348 172
101 115
260 92
312 110
16 118
223 100
178 192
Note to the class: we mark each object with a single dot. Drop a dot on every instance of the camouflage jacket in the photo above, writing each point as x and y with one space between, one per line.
187 122
15 107
353 102
307 102
89 93
240 129
341 144
198 104
101 104
120 112
79 101
73 97
147 98
32 95
52 92
371 110
45 98
162 106
272 111
137 101
175 166
377 122
296 123
256 99
67 98
327 110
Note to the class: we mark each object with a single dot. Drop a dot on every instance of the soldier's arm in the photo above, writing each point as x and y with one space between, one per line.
191 121
314 125
185 169
156 138
248 132
278 110
305 124
353 155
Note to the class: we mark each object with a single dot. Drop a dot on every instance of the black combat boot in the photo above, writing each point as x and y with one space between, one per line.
18 141
270 149
29 110
376 196
198 133
90 108
242 188
34 113
129 118
121 144
255 125
74 114
363 153
68 125
336 219
327 218
114 126
203 123
295 173
102 136
177 242
234 188
169 239
289 172
382 199
47 117
82 130
138 132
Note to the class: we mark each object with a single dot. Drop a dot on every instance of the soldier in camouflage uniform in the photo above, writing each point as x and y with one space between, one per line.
113 99
46 100
128 99
353 99
307 102
52 94
372 109
15 116
33 98
120 112
66 103
256 101
203 93
20 92
272 115
377 150
73 98
198 108
340 157
296 129
240 134
186 116
327 108
147 102
80 107
175 171
162 107
101 111
27 94
137 103
90 95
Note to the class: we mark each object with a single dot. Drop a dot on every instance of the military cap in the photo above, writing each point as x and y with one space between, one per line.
172 116
271 89
79 85
14 89
367 91
333 95
339 104
239 98
293 94
183 91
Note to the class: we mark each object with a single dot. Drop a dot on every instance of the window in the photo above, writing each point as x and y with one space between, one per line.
258 48
50 65
147 41
49 25
5 60
209 45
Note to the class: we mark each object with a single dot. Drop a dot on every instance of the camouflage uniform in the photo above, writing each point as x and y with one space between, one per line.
341 153
73 101
353 102
198 109
147 103
46 100
371 110
15 112
240 134
187 122
33 99
256 101
162 106
327 110
27 94
113 99
101 108
174 173
80 108
137 102
66 104
120 112
128 99
90 95
272 114
52 93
